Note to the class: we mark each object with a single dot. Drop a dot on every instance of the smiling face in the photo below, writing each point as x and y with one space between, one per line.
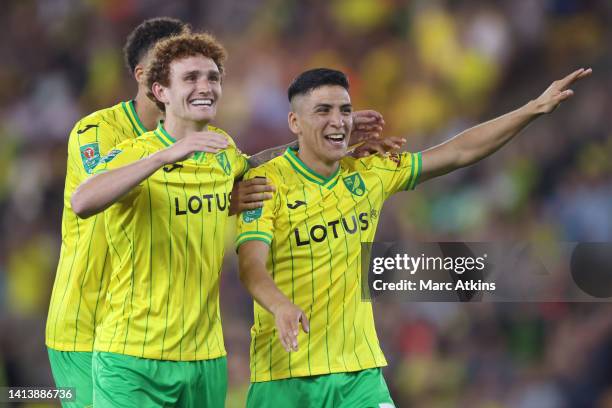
193 91
322 120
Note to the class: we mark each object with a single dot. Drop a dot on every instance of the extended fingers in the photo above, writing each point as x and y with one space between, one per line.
574 76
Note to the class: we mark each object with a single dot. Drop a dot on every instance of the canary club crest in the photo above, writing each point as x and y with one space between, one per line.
90 155
224 162
354 183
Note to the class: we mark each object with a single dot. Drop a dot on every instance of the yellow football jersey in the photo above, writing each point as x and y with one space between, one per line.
166 240
314 227
83 270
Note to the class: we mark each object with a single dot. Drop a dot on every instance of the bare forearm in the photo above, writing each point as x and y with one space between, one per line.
476 143
266 155
483 140
262 287
103 190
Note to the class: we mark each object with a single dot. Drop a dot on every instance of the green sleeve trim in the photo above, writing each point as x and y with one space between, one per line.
415 170
253 238
251 233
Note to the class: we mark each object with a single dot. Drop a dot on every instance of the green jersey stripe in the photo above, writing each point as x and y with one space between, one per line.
87 266
144 340
169 264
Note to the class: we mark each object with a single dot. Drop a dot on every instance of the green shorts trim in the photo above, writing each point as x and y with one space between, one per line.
126 381
359 389
73 369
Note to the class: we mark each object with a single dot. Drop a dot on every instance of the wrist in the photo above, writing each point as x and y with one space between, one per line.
534 108
159 158
277 306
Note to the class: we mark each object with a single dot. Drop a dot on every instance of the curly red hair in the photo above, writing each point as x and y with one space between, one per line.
178 47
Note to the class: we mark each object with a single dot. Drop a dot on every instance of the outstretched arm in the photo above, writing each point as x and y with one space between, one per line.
103 190
255 277
478 142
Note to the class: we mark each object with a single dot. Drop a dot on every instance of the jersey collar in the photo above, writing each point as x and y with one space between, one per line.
303 170
167 140
130 112
163 135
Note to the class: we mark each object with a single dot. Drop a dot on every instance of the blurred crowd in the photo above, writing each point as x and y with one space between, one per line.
432 68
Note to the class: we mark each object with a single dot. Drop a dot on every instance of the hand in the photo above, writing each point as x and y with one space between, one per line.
250 194
186 147
287 317
558 91
380 145
366 124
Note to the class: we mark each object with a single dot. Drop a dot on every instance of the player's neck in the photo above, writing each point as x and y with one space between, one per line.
148 113
179 128
321 167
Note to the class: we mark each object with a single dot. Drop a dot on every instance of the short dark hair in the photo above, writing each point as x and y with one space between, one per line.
315 78
147 34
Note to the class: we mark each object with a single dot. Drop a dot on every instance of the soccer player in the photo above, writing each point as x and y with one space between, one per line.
300 255
79 291
160 340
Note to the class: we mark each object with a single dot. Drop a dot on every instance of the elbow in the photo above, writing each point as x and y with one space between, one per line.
79 206
242 273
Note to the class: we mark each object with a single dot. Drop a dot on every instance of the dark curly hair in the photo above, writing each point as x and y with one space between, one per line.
178 47
147 34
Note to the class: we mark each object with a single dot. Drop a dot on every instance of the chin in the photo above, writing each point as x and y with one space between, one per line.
334 156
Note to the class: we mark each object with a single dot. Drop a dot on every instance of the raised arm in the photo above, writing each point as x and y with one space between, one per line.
476 143
255 277
103 190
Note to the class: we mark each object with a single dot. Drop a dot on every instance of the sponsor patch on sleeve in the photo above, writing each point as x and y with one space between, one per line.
110 156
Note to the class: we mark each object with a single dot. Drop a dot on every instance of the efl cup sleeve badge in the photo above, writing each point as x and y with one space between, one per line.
354 183
90 155
251 215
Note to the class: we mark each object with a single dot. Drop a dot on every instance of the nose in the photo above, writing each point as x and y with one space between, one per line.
203 86
336 120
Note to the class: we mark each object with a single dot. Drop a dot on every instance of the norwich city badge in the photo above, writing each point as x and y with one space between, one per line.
224 162
354 183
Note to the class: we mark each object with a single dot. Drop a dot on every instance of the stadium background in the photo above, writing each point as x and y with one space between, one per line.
432 68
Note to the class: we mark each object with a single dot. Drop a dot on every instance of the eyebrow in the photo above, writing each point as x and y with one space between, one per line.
199 72
327 105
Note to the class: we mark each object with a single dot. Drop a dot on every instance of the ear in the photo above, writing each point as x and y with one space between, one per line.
139 74
160 92
294 125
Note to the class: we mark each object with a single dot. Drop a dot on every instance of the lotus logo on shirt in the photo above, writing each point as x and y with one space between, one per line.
320 232
224 162
354 183
204 202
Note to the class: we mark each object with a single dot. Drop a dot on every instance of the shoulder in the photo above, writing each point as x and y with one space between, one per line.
103 119
149 141
224 133
272 169
389 161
